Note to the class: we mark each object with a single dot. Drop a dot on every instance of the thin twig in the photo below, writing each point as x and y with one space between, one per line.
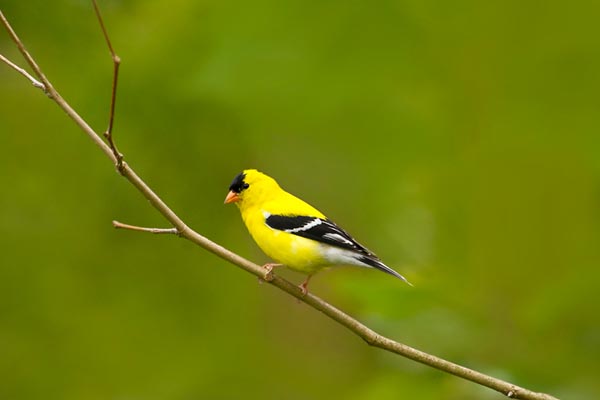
120 225
49 90
108 134
22 71
52 93
363 331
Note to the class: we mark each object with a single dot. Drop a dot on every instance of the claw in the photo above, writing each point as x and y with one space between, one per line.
269 275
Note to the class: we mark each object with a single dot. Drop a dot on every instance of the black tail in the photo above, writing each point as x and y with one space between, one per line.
377 264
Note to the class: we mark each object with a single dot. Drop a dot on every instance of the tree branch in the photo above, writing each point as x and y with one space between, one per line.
23 72
120 225
180 228
111 116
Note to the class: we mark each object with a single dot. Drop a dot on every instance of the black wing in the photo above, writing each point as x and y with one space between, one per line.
325 231
321 230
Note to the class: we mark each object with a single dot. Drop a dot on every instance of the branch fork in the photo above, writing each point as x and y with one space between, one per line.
24 72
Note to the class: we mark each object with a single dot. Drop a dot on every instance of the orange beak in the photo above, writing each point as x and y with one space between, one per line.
232 197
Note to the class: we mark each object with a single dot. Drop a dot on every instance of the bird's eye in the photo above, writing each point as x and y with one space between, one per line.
245 186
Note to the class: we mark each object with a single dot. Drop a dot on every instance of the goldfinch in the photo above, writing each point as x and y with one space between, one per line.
294 233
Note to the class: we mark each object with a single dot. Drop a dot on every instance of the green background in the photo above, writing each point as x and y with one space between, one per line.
458 140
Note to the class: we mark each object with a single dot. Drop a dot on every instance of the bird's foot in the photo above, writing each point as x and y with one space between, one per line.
269 272
304 286
303 289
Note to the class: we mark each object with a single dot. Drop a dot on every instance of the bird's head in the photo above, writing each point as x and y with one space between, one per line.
250 187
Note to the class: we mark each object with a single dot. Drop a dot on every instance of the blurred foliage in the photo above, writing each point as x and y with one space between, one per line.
459 140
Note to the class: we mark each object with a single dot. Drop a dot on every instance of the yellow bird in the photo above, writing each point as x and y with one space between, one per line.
294 233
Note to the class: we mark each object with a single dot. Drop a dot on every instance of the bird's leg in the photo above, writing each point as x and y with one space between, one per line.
269 268
304 285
